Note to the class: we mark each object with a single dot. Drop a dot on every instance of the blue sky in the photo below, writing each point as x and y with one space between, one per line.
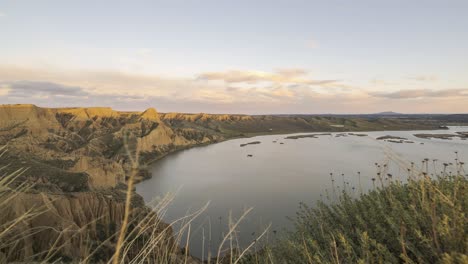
237 56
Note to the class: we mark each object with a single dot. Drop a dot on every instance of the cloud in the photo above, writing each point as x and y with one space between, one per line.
59 95
144 52
291 72
27 89
422 93
294 76
4 89
235 76
379 82
129 92
2 14
423 78
101 82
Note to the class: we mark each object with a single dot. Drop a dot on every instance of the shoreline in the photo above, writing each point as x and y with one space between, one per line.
151 161
452 128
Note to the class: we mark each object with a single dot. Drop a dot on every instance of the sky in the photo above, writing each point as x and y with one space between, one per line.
248 57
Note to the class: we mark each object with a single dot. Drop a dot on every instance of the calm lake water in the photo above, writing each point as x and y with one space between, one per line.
279 176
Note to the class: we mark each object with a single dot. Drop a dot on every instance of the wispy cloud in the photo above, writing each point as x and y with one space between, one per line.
424 78
292 72
4 89
381 82
2 14
295 76
26 89
144 52
422 93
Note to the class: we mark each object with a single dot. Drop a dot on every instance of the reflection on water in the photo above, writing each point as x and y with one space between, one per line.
274 178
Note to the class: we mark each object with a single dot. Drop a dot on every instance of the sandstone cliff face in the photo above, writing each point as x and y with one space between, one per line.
92 140
60 220
103 172
69 227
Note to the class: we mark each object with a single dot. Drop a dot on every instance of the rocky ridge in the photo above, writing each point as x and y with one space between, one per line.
91 140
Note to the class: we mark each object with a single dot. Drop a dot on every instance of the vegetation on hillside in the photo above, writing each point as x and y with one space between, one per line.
420 221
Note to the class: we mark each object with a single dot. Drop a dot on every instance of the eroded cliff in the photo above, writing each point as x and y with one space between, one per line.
93 141
77 162
79 226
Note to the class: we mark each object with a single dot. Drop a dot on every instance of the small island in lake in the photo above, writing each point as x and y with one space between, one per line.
250 143
308 136
388 137
461 135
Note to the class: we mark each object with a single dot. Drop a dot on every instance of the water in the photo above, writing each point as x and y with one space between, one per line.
279 176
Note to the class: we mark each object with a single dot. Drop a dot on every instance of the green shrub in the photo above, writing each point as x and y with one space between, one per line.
422 221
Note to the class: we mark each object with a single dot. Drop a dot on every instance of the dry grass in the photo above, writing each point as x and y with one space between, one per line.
141 238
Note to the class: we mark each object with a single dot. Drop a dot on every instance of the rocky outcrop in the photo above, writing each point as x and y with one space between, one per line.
60 219
103 172
96 141
69 227
150 114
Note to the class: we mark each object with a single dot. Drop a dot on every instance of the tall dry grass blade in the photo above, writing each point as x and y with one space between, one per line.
230 232
252 244
123 229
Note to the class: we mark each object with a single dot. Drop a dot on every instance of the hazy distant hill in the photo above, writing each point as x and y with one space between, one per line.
388 113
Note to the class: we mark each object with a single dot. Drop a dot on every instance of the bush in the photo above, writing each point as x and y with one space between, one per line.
422 221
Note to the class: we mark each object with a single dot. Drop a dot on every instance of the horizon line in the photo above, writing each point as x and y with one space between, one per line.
383 113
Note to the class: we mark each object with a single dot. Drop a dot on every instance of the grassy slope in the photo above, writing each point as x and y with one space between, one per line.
260 125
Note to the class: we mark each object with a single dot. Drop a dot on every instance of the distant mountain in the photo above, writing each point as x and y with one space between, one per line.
388 113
